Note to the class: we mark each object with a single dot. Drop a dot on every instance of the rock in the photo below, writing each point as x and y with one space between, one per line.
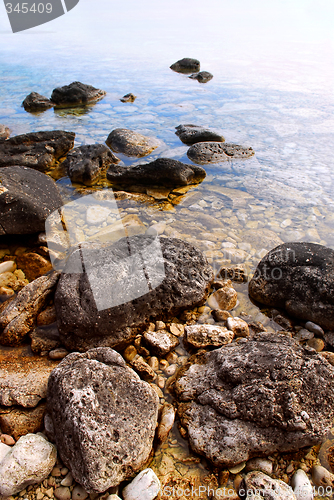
220 316
256 396
185 283
128 98
30 461
142 368
166 422
6 439
4 449
257 485
301 486
317 344
60 353
329 356
161 172
297 277
145 486
304 334
27 199
45 338
316 329
47 316
23 377
224 298
237 274
122 140
207 335
186 65
4 132
68 480
322 477
62 493
18 422
261 464
190 134
8 266
176 329
215 152
19 317
33 265
202 76
85 164
76 94
161 342
108 418
38 150
79 493
238 326
36 102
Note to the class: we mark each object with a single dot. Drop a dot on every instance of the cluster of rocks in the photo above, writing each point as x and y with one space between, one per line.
188 65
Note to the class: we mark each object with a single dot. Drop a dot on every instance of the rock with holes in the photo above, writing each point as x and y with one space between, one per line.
102 417
257 485
190 134
76 94
215 152
255 397
85 164
297 277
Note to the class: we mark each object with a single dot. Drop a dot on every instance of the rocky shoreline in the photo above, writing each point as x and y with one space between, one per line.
170 385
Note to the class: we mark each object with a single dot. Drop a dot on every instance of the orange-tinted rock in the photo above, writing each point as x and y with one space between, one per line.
33 265
18 422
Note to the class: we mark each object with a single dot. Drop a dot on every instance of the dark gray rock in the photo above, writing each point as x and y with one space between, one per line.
128 98
105 429
122 140
38 150
297 277
76 94
27 198
186 65
82 326
4 132
36 102
85 164
190 134
202 76
258 396
214 152
161 172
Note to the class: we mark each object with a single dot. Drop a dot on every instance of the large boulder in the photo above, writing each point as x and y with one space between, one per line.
178 278
36 102
76 94
130 143
298 277
102 418
27 198
161 172
215 152
253 397
186 65
190 134
85 164
38 150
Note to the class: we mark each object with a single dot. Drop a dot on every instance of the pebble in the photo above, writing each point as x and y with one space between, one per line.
261 464
237 468
224 298
160 325
316 329
170 370
140 365
317 344
301 486
322 477
79 493
304 334
62 493
68 480
6 439
130 353
238 326
145 486
7 267
176 329
166 422
154 363
59 353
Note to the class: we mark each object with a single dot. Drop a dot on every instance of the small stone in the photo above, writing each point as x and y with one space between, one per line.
238 326
316 329
130 353
219 315
58 353
154 363
79 493
128 98
290 468
301 486
200 336
68 480
176 329
145 486
170 370
161 342
49 492
304 334
8 440
166 422
262 464
140 365
271 489
237 468
56 472
62 493
317 344
164 364
214 152
225 298
6 292
160 325
7 267
161 381
76 94
202 76
322 477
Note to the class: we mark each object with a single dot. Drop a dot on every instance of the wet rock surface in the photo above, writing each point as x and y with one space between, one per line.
298 277
191 134
35 102
186 280
23 377
262 395
215 152
85 164
76 94
38 150
202 76
186 65
109 410
130 143
161 172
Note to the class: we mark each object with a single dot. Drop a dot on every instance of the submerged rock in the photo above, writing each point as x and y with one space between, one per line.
161 172
38 150
184 283
4 132
298 277
215 152
257 485
85 164
122 140
202 76
36 102
186 65
166 422
258 396
30 461
128 98
76 94
191 134
105 429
